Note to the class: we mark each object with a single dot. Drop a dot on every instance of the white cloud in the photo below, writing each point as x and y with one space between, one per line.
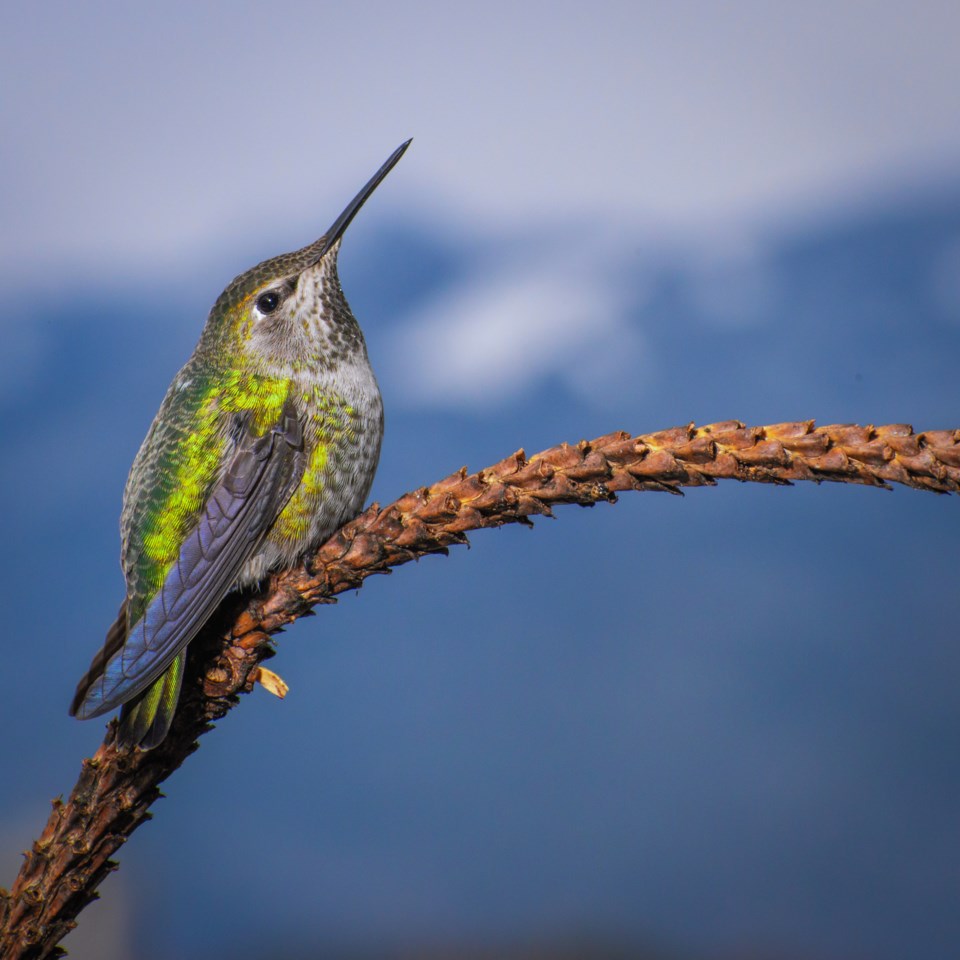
498 334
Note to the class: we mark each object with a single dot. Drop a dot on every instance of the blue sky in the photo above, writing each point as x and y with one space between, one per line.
713 722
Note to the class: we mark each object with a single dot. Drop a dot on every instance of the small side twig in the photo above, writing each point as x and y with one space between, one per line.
112 797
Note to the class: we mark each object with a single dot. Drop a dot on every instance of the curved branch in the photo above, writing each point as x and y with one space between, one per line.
113 795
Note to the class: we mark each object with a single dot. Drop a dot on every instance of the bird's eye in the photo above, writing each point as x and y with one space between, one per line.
268 302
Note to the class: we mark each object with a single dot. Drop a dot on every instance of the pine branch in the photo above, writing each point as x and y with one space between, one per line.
112 797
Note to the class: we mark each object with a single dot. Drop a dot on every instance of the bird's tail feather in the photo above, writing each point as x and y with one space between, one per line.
146 719
116 637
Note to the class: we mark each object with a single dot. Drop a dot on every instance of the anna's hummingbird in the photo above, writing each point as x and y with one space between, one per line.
266 442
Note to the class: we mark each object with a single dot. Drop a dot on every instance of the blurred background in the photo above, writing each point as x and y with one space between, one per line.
715 726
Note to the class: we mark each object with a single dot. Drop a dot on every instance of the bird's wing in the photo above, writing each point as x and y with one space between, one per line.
258 480
116 637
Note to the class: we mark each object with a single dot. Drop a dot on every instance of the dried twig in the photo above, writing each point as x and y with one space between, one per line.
61 873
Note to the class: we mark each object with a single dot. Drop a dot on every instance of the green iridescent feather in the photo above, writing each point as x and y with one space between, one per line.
182 459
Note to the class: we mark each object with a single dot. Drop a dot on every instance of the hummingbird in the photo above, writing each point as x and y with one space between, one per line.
265 444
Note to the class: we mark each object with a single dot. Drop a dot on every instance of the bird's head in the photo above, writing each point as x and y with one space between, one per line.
289 312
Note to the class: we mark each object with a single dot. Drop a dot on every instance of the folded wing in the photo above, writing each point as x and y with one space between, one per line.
259 479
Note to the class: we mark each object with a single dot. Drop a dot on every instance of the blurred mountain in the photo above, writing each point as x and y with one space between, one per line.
723 720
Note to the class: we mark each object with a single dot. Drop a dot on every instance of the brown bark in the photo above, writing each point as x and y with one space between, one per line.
113 795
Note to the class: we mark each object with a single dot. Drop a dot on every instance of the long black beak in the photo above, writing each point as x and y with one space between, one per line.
343 221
